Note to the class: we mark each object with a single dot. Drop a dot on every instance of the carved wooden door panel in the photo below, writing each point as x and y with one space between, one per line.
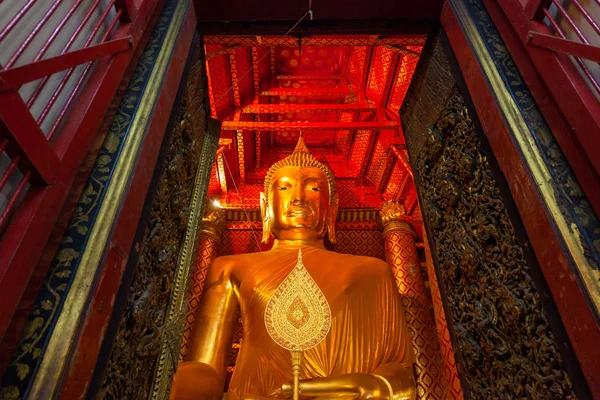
505 345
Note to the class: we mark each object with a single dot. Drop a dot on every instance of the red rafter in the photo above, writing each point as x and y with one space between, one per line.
234 79
306 126
346 40
309 92
255 70
309 77
291 108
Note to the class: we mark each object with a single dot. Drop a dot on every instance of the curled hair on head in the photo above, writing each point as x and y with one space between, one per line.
300 158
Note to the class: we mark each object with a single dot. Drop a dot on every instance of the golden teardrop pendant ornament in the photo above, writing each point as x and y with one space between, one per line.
298 316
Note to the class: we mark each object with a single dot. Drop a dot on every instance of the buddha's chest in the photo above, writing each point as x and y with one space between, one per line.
257 288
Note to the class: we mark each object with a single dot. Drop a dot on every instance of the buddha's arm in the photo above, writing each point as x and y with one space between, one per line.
400 378
389 381
202 375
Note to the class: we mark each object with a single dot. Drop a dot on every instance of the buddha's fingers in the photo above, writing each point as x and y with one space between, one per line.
331 388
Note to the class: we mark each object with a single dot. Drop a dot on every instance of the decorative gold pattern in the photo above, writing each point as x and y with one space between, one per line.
441 325
234 79
548 186
500 325
210 233
298 316
177 307
401 255
47 380
257 144
240 153
138 336
255 70
221 172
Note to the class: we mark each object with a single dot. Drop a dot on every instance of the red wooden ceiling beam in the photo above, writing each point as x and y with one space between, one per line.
310 77
309 92
306 126
237 102
291 108
346 40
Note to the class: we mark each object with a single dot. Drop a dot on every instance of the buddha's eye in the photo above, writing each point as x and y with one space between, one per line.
315 189
282 188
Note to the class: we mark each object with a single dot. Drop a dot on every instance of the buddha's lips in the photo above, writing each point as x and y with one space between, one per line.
300 213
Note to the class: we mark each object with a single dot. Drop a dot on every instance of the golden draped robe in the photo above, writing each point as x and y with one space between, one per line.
368 326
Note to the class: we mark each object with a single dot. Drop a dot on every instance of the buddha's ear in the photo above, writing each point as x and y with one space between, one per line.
332 217
266 222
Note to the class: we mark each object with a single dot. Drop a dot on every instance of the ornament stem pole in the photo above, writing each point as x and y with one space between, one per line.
296 362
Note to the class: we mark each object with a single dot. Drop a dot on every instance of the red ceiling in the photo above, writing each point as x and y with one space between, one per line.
335 80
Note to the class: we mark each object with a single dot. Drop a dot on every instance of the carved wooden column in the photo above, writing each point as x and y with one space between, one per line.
402 257
209 238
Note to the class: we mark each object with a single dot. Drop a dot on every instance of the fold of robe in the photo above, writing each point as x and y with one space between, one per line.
368 326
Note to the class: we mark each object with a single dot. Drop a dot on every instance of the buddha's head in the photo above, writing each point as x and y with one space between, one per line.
299 201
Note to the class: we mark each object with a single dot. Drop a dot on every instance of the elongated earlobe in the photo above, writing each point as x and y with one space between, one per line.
331 218
266 222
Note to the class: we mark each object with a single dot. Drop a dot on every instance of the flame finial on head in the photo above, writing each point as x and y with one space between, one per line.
301 158
301 145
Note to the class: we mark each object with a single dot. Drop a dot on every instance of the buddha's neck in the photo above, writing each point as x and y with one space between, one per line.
297 243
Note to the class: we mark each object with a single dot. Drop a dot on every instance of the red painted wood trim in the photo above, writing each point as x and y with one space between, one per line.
28 231
577 317
76 183
29 138
584 171
575 99
87 349
15 77
566 46
307 126
286 108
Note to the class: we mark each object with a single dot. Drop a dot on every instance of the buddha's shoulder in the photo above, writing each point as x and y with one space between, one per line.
361 260
363 263
234 260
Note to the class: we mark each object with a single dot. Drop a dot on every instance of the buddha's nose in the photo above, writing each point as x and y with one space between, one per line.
298 196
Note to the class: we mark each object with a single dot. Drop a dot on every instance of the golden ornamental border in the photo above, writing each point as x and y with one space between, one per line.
570 234
47 382
178 303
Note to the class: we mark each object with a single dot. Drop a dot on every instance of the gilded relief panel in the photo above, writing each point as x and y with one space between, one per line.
137 347
503 341
501 328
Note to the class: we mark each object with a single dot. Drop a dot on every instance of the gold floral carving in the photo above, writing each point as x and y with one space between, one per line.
393 217
213 225
401 255
502 332
149 335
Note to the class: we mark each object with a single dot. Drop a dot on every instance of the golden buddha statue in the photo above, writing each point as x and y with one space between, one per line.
367 353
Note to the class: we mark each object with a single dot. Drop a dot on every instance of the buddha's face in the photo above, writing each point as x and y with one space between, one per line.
298 204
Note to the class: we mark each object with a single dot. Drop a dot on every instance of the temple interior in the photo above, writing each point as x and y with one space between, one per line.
343 94
254 200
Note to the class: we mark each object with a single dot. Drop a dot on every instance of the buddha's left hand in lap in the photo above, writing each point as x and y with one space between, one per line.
388 382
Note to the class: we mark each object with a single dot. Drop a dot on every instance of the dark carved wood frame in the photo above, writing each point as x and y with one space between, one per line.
558 333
